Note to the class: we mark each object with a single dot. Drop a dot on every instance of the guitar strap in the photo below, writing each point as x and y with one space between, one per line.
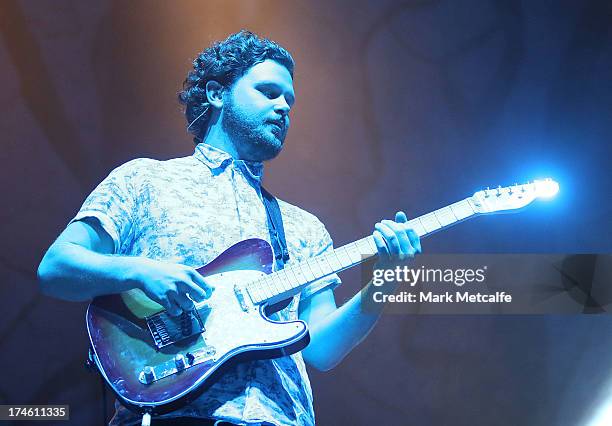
275 226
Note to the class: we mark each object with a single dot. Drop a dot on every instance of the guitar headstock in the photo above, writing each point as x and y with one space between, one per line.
513 197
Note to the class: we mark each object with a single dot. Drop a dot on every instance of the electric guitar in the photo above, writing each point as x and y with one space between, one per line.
154 362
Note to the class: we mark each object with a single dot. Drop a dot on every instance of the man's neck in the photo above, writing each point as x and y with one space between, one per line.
220 139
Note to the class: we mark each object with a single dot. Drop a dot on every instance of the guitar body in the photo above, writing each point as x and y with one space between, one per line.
155 363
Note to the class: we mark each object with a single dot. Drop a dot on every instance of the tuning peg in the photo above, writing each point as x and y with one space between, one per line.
498 194
486 191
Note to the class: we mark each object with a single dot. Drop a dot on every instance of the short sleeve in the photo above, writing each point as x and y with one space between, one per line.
321 243
113 202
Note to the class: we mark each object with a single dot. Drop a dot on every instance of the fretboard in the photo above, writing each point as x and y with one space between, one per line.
291 280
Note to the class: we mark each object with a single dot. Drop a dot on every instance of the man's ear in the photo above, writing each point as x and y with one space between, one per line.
214 93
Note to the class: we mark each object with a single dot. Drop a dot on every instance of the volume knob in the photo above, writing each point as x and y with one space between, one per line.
148 374
180 362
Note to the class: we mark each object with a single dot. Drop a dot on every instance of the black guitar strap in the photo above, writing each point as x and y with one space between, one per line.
275 226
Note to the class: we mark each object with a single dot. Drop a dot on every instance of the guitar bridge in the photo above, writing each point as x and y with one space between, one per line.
166 329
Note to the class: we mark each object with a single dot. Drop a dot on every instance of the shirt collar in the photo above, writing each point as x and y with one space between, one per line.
217 160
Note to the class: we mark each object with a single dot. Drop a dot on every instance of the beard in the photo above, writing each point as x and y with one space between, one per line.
251 135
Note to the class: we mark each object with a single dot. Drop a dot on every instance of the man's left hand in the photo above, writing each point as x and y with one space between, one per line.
395 241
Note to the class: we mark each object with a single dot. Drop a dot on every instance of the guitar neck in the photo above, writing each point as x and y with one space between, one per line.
290 281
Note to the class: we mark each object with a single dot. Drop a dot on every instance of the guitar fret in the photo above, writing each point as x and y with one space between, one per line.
465 209
250 289
321 265
299 276
434 219
450 209
268 287
335 261
317 263
366 248
283 280
309 272
417 226
288 283
445 216
262 288
271 287
342 251
353 254
260 293
299 279
462 209
326 259
291 279
427 224
254 289
294 279
324 265
360 249
422 225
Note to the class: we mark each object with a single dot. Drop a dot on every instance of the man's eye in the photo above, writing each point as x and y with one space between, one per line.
270 94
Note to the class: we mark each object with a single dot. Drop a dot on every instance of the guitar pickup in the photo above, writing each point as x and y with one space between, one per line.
180 362
167 330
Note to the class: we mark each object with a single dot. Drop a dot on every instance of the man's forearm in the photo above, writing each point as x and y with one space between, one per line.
72 272
335 335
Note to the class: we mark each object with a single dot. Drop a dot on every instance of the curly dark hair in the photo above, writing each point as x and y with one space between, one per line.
225 62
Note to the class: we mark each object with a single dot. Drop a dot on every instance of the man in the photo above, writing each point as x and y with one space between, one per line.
149 223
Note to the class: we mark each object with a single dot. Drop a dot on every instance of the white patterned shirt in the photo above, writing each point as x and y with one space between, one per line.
189 210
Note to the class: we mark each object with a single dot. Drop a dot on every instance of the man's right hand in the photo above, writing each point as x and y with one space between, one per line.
173 286
81 264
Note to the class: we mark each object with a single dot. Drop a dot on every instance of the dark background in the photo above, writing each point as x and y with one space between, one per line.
401 105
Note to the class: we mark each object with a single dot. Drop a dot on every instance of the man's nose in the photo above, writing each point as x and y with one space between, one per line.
282 107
